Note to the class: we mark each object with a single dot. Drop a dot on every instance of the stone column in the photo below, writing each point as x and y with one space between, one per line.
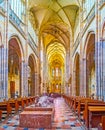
24 62
4 54
39 67
33 84
2 71
74 82
24 78
102 64
37 84
67 70
97 49
81 65
1 80
83 78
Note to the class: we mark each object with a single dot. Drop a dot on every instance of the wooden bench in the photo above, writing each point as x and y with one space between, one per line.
26 102
93 114
0 114
21 103
14 104
5 107
89 102
101 125
33 99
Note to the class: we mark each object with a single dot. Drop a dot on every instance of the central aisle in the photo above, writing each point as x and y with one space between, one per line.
64 119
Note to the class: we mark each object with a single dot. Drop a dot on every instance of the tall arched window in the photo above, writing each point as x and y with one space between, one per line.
57 72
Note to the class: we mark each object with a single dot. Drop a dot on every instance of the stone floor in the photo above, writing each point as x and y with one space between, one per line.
64 119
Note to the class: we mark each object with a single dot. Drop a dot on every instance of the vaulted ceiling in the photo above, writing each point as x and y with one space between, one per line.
54 20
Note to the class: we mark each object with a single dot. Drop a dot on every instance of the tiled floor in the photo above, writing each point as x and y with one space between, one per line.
64 119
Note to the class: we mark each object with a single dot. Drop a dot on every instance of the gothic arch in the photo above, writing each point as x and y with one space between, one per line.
1 36
89 65
0 39
19 44
77 74
103 31
32 71
15 55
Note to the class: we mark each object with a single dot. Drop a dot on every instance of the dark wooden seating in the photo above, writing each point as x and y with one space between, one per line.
33 99
93 113
26 102
0 114
5 107
82 103
91 109
21 103
30 101
14 104
101 125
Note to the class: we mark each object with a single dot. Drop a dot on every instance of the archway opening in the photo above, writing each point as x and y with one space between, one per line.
90 66
55 55
77 75
14 68
31 76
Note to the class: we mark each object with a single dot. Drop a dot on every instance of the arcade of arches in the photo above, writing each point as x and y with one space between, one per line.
52 46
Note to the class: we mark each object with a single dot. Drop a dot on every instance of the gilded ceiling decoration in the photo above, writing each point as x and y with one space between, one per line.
56 51
55 22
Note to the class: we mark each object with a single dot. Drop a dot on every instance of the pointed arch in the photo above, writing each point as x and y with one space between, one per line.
89 65
32 71
77 73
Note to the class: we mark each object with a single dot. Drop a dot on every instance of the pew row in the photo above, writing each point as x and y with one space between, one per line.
6 108
84 105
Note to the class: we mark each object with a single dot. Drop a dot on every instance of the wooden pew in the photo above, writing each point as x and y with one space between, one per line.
81 104
26 102
21 103
14 104
93 113
5 107
103 122
69 100
29 100
0 114
78 104
33 99
101 125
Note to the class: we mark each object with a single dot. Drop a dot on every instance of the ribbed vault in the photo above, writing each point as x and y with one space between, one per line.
54 21
54 17
56 52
